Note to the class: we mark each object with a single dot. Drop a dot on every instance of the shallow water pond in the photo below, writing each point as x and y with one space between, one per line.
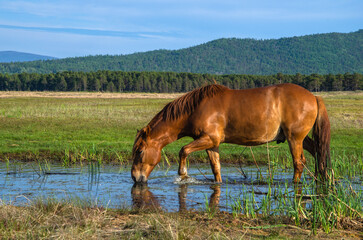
112 186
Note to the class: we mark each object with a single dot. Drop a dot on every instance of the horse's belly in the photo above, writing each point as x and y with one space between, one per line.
252 135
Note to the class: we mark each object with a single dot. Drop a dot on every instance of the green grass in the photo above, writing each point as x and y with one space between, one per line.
73 129
313 205
85 125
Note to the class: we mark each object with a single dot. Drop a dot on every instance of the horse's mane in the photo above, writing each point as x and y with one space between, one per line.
186 104
182 106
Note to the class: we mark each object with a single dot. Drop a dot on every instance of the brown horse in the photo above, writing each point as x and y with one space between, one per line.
215 114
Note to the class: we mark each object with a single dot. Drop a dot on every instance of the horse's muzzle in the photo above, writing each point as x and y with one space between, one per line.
139 178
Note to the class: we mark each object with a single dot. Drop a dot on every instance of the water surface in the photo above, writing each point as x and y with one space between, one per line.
111 186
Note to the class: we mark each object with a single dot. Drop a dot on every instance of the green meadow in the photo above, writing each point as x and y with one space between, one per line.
73 128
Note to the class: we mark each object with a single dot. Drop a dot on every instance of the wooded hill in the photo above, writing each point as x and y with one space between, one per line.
318 53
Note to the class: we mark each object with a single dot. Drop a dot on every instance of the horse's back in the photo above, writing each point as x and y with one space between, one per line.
255 116
285 99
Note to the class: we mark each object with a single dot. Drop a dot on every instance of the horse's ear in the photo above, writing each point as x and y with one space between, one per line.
144 132
147 130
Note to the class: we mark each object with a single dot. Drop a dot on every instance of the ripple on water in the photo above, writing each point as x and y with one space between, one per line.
188 180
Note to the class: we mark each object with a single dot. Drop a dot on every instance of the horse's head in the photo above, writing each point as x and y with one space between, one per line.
146 155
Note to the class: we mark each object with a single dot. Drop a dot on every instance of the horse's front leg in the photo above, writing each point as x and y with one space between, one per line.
199 144
213 155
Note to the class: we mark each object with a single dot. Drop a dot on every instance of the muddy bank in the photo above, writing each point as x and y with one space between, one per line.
123 158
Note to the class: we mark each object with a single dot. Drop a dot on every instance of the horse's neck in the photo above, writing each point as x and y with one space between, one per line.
164 133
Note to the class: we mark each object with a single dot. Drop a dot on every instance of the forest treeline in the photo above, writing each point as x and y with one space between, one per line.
319 53
119 81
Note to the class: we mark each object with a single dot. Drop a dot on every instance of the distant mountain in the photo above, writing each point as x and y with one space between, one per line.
318 53
12 56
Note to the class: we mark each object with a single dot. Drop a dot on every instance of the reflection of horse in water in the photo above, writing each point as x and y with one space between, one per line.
143 198
213 199
215 114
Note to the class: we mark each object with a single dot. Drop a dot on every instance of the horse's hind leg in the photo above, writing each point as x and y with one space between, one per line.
213 155
296 149
308 145
201 143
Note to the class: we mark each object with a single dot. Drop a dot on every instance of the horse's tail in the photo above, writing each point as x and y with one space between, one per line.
321 136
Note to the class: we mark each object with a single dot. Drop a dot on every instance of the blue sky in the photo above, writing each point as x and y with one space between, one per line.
71 28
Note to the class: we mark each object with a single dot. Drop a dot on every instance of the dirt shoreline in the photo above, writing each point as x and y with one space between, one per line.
60 156
17 94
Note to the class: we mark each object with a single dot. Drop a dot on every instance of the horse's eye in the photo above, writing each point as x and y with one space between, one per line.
139 153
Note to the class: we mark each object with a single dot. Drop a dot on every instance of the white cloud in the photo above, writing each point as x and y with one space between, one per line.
65 45
91 32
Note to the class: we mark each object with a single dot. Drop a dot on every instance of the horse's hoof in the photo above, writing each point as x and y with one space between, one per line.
184 177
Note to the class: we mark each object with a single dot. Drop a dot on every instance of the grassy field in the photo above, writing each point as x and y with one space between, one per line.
74 127
102 126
